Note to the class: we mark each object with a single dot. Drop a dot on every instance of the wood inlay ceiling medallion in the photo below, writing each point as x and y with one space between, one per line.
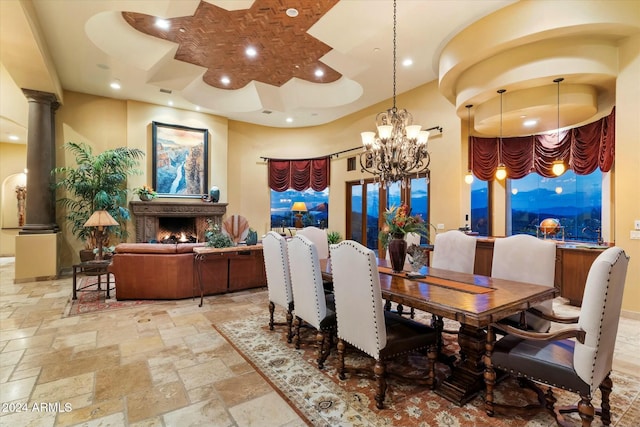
216 39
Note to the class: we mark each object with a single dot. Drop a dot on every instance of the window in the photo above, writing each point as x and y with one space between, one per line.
576 200
369 197
317 203
480 207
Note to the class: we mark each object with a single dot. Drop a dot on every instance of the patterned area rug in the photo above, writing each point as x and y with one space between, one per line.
91 300
325 400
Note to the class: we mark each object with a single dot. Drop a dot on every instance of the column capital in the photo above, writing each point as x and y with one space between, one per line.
41 97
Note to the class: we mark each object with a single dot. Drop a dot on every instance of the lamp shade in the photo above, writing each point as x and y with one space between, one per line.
299 207
100 219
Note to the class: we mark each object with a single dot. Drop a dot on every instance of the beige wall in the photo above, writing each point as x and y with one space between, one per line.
248 174
106 123
13 161
626 179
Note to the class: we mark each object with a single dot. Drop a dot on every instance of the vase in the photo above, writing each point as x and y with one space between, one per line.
252 238
397 248
214 194
144 197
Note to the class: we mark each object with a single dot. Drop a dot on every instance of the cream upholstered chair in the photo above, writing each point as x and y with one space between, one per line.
363 322
453 250
312 305
319 238
276 264
236 227
528 259
580 365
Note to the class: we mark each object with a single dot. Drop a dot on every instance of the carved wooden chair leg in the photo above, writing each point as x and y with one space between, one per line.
322 350
272 308
586 410
341 369
381 383
605 390
400 309
290 323
297 323
489 372
387 305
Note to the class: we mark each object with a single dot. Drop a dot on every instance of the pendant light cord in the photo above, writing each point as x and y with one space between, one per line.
395 7
501 91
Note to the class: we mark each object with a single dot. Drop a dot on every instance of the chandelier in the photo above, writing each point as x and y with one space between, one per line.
399 148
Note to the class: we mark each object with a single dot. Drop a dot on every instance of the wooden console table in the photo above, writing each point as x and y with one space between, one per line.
236 268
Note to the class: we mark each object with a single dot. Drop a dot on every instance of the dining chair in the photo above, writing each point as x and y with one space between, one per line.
363 323
319 237
276 265
525 258
576 359
456 251
313 306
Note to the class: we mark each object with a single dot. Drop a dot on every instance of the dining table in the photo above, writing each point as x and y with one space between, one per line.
473 300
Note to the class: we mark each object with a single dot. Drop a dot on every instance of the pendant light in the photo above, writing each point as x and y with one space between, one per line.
558 166
468 178
501 171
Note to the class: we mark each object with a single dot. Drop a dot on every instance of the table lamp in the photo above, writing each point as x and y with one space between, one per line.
100 219
299 207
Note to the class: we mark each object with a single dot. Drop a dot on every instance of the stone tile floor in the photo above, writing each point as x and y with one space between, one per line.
153 365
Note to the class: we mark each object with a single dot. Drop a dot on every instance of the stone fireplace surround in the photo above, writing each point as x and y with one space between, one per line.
147 216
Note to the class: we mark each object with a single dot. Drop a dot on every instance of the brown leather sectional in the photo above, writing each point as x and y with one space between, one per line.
167 271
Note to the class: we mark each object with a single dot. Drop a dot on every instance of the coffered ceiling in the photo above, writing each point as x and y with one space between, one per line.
199 60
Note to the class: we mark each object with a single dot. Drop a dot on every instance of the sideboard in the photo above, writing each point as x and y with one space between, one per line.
572 266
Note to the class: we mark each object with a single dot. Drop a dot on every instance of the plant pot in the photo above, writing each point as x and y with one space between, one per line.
145 197
397 248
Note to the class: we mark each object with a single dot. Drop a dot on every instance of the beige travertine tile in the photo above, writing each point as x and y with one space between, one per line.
17 333
264 411
10 358
88 412
156 400
239 389
210 412
19 389
63 389
141 345
204 373
122 380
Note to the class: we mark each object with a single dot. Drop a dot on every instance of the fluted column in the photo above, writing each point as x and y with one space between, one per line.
41 158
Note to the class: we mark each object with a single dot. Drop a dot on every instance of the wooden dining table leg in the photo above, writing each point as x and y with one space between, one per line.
467 377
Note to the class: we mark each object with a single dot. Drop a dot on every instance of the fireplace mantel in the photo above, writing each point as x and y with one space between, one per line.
146 215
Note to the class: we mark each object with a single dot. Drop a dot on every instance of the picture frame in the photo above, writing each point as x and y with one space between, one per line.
180 160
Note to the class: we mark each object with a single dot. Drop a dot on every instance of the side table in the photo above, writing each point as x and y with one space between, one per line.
92 268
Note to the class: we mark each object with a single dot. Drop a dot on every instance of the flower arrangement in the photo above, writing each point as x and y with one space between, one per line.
145 192
399 222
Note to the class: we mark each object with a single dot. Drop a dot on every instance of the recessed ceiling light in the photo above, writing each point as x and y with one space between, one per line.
13 137
115 84
529 123
225 80
197 108
162 23
170 103
319 73
407 62
289 120
291 12
251 52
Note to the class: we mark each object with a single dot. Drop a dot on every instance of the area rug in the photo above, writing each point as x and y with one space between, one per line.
325 400
90 300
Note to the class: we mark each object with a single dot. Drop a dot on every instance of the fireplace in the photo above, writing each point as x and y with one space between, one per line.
176 230
153 220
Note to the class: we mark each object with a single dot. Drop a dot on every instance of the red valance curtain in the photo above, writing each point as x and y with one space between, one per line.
299 174
583 149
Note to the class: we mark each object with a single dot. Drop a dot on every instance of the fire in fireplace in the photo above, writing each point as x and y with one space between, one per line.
177 230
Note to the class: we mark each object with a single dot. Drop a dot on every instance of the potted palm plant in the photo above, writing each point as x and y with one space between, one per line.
97 181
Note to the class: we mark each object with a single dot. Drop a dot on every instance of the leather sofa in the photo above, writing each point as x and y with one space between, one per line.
166 271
